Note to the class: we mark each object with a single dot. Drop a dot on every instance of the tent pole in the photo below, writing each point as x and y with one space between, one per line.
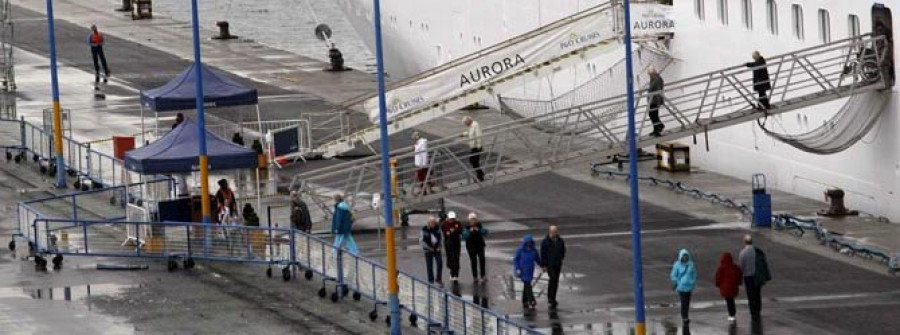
143 132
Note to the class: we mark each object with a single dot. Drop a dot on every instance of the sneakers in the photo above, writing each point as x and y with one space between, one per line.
731 319
454 279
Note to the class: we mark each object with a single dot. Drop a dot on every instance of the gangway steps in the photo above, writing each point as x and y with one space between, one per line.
437 106
516 148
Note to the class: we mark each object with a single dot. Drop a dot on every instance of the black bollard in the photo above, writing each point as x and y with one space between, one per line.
224 31
337 58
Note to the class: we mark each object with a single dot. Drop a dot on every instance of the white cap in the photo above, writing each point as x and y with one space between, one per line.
451 215
473 216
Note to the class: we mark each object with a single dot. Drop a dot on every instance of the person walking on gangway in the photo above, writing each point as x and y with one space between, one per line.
655 100
473 133
761 82
95 40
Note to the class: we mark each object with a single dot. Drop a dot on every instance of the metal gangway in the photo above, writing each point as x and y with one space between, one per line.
604 20
527 146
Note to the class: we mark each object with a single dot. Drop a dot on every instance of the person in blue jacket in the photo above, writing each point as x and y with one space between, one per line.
525 260
684 277
342 225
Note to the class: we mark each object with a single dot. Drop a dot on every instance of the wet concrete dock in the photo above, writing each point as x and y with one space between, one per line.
815 290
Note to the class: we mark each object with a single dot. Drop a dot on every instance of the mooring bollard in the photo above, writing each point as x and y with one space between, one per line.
224 31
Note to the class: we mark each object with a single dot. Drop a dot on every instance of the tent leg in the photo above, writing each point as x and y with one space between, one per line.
143 132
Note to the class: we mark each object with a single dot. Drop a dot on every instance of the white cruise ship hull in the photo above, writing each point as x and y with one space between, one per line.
421 34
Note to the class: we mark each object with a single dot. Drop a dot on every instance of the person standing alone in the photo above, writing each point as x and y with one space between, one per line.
553 251
95 40
473 134
655 100
761 82
452 244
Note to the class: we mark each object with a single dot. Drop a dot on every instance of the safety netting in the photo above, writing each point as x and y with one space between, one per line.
847 127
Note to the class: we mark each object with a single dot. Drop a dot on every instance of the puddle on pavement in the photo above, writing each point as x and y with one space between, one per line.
67 293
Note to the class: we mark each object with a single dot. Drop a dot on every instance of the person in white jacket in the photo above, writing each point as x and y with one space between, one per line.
421 162
473 134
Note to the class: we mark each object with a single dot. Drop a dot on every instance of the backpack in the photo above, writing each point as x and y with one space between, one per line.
762 274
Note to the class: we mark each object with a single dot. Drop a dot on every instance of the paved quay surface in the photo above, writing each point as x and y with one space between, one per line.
815 291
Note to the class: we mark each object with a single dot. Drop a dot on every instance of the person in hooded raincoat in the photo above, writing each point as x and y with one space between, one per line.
684 277
342 225
525 260
300 218
728 280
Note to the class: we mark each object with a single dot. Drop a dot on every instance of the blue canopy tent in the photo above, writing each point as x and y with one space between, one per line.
180 93
176 152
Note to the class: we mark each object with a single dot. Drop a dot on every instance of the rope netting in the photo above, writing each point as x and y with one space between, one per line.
851 123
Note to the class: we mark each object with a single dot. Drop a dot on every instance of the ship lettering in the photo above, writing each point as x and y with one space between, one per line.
579 40
489 71
654 24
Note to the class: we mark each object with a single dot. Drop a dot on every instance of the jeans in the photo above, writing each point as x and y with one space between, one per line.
685 304
553 272
433 262
453 250
729 302
475 161
351 243
476 258
754 296
97 54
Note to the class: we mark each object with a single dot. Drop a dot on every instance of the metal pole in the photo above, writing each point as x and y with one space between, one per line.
393 288
57 110
201 126
640 328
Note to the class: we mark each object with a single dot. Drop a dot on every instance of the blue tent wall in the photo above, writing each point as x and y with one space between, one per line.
177 153
180 92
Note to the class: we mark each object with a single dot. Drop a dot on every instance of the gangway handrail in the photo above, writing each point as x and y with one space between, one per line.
610 101
474 55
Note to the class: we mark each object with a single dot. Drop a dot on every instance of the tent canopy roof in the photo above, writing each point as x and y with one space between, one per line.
177 152
180 92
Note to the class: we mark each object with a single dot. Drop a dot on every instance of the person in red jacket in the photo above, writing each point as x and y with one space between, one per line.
728 279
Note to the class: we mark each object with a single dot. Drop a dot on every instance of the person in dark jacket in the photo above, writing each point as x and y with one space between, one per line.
684 279
475 244
96 41
452 243
251 219
553 251
655 100
728 280
761 82
755 269
525 260
179 118
431 244
300 218
342 225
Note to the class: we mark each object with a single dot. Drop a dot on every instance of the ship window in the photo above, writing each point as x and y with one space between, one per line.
772 16
723 11
854 25
747 13
699 9
824 26
797 14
